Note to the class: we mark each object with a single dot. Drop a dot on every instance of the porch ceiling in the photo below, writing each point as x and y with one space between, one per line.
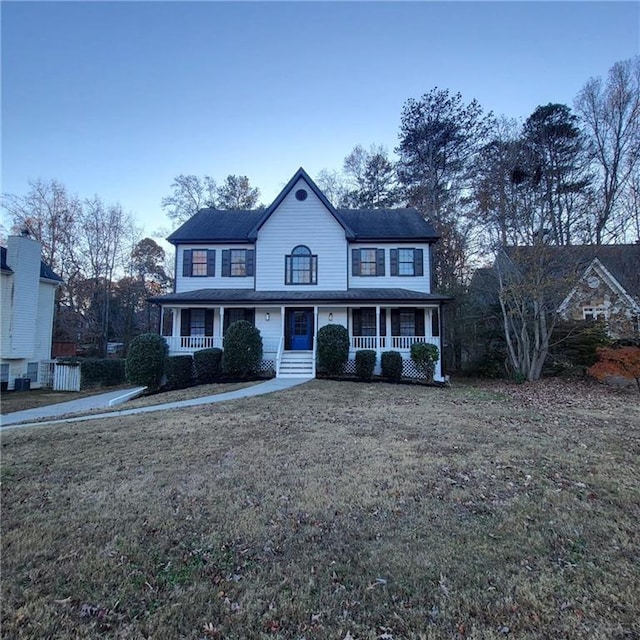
248 296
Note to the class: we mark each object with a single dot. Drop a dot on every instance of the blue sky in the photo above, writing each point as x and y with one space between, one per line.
117 98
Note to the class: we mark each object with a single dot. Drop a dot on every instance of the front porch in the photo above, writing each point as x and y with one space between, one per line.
287 331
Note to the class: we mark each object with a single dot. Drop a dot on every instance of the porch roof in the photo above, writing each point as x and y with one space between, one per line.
249 296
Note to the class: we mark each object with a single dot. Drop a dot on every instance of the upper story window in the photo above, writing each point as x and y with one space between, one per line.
238 263
593 313
367 262
198 262
407 262
301 266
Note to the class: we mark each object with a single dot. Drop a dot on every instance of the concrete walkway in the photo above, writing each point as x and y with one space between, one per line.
105 400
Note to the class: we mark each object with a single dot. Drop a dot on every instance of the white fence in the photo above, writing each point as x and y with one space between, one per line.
66 376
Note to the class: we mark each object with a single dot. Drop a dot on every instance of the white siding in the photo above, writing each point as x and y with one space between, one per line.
217 282
415 283
308 223
23 256
6 285
44 323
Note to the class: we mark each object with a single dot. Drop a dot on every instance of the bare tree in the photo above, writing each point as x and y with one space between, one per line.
190 194
371 177
334 186
105 229
610 113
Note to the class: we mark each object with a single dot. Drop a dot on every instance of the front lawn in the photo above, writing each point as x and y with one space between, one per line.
331 510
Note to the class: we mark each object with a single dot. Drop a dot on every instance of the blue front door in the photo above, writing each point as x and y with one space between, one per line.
300 329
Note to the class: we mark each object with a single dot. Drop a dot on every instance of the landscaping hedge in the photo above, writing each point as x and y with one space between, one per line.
179 371
106 372
365 363
208 364
391 365
146 359
332 348
425 356
242 350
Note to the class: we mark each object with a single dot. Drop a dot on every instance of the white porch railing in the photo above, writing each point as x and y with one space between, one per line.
189 344
279 355
401 343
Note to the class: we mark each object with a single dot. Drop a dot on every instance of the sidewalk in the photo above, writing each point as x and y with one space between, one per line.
106 400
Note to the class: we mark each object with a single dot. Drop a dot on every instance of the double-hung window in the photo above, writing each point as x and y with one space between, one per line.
198 262
407 322
593 313
367 262
407 262
238 263
301 267
364 321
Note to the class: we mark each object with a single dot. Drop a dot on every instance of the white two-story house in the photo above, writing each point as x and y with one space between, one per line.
27 303
298 265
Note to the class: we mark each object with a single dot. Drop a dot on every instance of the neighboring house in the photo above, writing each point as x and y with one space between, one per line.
297 266
27 297
588 282
608 287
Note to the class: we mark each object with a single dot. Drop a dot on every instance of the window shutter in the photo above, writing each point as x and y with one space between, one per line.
380 265
435 322
208 322
186 263
355 262
393 254
395 322
185 322
250 316
250 258
383 322
226 263
211 263
418 269
419 322
356 317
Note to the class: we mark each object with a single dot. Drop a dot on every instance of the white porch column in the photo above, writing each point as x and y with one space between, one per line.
378 333
315 326
221 327
282 326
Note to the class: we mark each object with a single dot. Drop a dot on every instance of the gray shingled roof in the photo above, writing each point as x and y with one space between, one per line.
215 225
388 224
45 270
249 296
621 260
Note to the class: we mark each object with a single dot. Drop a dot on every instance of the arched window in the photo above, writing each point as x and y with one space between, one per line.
301 266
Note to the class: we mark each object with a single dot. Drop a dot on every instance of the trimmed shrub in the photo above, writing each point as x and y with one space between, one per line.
146 359
391 365
179 371
425 356
332 348
575 346
365 363
208 364
106 372
242 350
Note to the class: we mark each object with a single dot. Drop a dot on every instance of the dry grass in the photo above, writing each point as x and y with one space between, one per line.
331 510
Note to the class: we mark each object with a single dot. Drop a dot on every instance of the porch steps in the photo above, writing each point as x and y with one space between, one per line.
296 364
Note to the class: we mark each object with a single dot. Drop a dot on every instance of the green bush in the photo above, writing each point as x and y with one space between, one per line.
425 356
106 372
574 346
208 364
365 363
145 360
242 349
332 348
391 365
179 371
